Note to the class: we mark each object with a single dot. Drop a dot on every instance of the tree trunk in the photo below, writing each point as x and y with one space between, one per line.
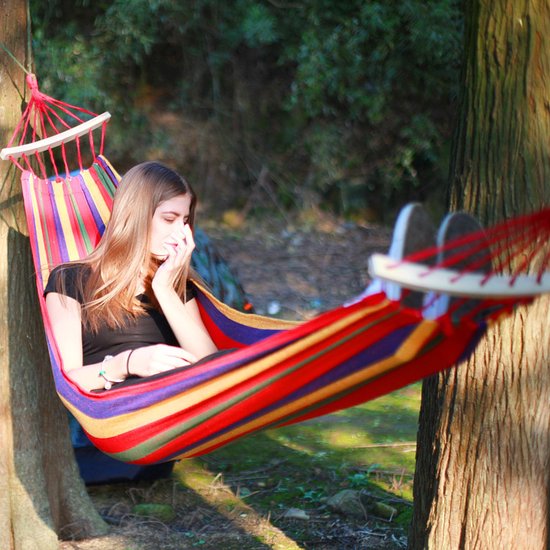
483 464
41 493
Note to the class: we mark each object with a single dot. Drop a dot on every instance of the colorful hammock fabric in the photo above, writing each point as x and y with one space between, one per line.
280 372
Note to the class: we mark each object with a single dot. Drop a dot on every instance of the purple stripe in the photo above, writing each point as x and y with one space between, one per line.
59 238
238 332
91 204
110 404
32 220
106 168
374 353
380 350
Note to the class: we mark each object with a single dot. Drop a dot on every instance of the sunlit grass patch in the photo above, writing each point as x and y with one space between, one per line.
369 448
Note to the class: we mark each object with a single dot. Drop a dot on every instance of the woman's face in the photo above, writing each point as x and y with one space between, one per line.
169 216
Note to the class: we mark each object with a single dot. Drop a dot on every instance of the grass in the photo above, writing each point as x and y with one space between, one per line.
237 497
369 448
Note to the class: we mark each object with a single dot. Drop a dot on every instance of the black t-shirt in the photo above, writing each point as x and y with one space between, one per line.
147 329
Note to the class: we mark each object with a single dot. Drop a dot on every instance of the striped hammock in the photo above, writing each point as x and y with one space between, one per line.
280 372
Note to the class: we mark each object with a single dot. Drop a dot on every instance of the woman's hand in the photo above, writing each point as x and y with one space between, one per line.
158 358
179 247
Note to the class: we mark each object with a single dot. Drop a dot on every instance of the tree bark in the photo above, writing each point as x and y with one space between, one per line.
483 461
41 493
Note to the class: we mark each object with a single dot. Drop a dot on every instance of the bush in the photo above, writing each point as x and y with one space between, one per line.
337 99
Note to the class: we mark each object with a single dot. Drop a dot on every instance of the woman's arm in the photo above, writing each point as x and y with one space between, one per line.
65 319
186 323
184 318
66 322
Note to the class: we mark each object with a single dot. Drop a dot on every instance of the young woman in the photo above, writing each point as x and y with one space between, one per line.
127 309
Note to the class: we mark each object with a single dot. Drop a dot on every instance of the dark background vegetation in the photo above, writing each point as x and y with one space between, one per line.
344 106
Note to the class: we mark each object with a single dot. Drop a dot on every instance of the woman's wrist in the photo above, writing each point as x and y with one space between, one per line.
115 368
107 374
164 293
128 356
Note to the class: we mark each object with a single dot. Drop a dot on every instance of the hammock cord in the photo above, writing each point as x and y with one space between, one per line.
513 246
46 117
14 59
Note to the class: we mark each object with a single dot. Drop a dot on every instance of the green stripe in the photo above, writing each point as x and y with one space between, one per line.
83 232
42 216
155 442
106 180
425 349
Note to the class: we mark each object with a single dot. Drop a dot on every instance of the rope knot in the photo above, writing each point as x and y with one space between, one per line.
32 83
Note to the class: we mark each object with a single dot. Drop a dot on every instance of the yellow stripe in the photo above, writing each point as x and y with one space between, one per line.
116 426
60 198
97 197
106 161
247 319
403 354
43 261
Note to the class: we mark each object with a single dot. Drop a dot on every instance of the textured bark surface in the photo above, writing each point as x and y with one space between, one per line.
41 493
484 443
500 158
483 462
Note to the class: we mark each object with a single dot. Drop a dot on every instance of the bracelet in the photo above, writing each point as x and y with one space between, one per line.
128 373
103 373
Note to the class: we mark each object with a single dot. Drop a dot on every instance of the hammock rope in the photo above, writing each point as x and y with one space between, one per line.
280 372
511 246
13 58
46 118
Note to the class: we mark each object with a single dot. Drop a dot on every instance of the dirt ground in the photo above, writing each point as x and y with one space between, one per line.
292 270
295 270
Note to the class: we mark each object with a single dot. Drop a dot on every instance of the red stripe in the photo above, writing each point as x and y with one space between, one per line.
446 353
327 362
76 231
107 197
274 391
47 215
90 227
221 340
248 353
31 221
411 371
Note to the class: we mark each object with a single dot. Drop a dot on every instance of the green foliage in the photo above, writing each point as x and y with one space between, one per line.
349 99
258 26
356 63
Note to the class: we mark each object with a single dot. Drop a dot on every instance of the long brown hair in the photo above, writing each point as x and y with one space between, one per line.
122 257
